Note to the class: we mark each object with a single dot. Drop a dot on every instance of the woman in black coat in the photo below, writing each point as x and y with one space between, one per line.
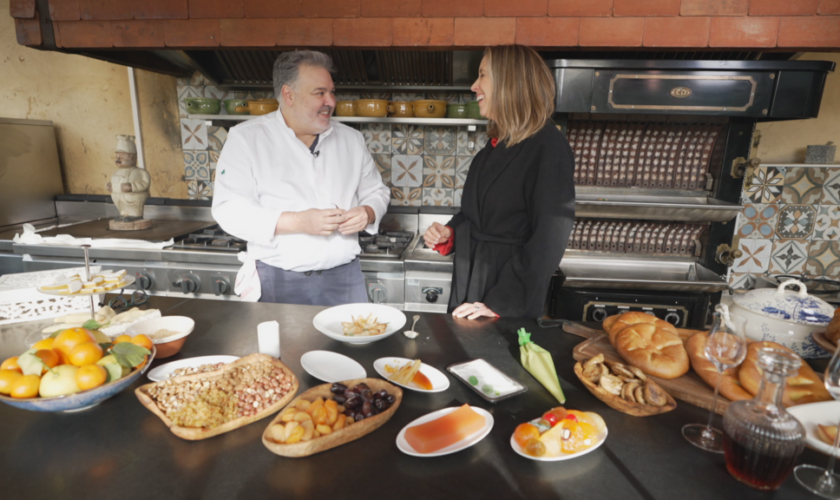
518 205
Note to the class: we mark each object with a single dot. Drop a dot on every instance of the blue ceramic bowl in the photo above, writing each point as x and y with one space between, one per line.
81 400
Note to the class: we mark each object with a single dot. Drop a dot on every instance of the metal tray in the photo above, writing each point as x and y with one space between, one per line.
661 274
653 207
487 372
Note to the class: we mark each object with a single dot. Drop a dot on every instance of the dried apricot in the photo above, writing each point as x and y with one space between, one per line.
524 433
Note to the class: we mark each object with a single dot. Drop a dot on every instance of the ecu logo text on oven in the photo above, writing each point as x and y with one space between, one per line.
680 92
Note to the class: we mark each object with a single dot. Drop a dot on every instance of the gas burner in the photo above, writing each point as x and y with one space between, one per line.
211 239
371 249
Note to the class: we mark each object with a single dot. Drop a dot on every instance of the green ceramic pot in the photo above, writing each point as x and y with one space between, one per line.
231 104
456 111
203 105
473 111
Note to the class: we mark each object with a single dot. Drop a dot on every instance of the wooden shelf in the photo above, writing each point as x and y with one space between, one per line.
359 119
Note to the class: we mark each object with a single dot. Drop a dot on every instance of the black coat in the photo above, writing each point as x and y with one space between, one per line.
517 213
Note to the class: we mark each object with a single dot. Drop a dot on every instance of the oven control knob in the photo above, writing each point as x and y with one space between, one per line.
672 318
432 293
145 281
220 285
599 314
377 293
188 283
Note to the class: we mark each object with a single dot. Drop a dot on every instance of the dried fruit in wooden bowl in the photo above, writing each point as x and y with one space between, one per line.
624 388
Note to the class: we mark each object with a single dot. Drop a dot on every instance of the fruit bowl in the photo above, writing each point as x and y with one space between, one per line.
81 400
166 346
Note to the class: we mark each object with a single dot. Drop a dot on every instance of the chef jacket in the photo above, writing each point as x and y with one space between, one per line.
265 170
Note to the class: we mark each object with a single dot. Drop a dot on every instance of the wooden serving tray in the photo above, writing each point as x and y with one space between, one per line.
195 434
341 436
689 388
620 404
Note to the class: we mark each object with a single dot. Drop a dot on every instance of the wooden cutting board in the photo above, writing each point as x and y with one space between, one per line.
689 388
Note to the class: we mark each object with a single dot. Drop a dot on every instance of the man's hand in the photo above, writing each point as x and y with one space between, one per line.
356 219
313 221
436 234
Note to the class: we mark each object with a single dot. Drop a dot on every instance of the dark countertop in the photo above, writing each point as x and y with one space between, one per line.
121 450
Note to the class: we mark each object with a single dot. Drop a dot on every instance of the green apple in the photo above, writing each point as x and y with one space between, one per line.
59 381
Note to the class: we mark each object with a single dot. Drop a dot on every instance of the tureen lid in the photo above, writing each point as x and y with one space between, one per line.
798 307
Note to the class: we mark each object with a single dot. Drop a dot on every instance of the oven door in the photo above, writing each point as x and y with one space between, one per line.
427 291
385 288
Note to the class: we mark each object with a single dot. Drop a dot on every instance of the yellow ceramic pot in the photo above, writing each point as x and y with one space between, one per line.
429 108
374 108
345 108
400 109
260 106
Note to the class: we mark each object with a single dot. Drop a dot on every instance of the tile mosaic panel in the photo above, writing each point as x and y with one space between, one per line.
439 171
376 95
216 137
438 197
196 165
377 137
462 168
788 256
346 96
796 221
407 139
196 79
766 185
407 170
823 259
755 258
218 93
383 164
406 196
803 185
440 140
470 143
407 96
450 97
193 134
758 221
831 187
199 190
828 223
741 280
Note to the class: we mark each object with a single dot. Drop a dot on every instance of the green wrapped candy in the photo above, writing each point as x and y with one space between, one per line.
538 362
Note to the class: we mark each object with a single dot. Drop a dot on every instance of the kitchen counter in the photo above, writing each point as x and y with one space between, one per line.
121 450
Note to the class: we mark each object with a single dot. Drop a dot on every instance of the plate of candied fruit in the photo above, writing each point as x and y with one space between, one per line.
559 434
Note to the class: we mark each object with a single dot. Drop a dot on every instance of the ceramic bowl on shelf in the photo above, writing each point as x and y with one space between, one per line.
784 316
258 107
400 109
473 111
372 108
203 105
345 108
232 104
456 111
430 108
168 346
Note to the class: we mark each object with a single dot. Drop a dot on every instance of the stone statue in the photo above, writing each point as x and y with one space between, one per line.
129 187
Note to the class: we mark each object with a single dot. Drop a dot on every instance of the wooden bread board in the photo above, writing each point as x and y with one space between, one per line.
689 388
195 434
339 437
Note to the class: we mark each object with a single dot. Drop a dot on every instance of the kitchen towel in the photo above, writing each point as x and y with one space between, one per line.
247 284
30 237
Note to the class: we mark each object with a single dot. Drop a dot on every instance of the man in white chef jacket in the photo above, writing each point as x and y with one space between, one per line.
299 187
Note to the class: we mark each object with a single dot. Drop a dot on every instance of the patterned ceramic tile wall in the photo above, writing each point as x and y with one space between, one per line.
790 224
422 165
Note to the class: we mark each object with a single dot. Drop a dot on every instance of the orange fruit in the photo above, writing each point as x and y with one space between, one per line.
142 341
85 354
70 338
7 379
44 344
49 357
524 433
11 364
90 376
121 339
26 387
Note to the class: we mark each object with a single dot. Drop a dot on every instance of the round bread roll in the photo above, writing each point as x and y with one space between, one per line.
655 351
804 387
832 331
730 384
608 323
634 318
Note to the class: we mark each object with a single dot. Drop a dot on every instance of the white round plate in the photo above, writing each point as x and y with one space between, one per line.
182 325
127 280
406 448
331 366
162 372
825 413
329 321
564 456
440 382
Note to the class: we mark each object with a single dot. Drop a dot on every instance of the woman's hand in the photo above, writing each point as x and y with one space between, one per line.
473 310
437 234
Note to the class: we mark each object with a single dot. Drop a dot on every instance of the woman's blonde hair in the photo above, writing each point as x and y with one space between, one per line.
522 99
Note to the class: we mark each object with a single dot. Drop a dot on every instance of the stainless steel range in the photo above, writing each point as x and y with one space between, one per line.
428 278
383 267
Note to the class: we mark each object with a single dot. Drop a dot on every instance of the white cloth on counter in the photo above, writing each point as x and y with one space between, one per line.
30 237
247 284
265 170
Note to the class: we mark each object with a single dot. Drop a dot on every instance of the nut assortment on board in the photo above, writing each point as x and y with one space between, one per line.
191 370
627 382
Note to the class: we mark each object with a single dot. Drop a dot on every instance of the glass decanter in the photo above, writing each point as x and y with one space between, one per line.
762 442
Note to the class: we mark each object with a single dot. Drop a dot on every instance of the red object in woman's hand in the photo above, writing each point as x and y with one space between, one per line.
446 247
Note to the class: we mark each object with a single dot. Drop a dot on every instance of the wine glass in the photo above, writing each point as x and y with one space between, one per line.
726 347
825 482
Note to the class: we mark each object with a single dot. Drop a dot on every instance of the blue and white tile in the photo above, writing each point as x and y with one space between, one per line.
407 139
383 165
796 222
478 139
440 140
438 197
406 196
407 170
439 171
755 258
803 186
449 97
189 165
828 223
741 280
217 93
193 134
758 221
462 169
788 256
831 187
347 96
766 185
377 137
406 96
199 190
216 137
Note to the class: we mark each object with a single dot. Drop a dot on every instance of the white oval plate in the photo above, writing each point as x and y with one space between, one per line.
331 366
127 280
162 372
825 413
440 382
518 449
468 441
329 321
